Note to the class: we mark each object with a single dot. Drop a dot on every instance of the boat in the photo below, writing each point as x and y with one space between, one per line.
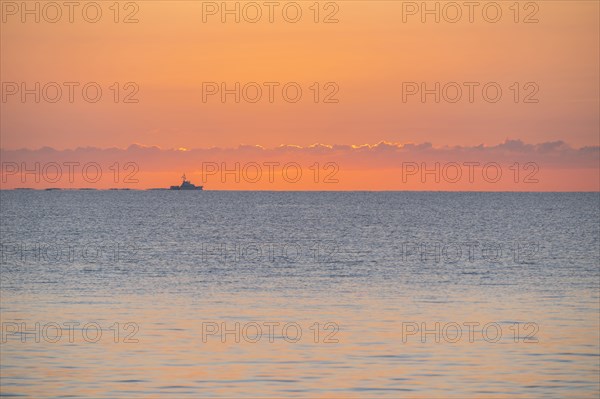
186 185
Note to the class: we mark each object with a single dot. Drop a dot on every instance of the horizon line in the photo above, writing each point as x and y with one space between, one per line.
292 191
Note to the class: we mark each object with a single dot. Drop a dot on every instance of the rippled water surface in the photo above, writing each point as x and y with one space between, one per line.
511 278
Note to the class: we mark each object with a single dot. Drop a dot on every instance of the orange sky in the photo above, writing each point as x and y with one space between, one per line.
366 58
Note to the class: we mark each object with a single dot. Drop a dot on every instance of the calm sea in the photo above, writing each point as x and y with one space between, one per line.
297 294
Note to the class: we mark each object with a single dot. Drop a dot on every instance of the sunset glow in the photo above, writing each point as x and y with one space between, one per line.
173 75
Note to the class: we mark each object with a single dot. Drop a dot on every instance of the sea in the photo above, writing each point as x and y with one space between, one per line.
221 294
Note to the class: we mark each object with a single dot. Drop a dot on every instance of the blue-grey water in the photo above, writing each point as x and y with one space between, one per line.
359 275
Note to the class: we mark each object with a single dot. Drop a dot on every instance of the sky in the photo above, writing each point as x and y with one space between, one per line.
346 73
